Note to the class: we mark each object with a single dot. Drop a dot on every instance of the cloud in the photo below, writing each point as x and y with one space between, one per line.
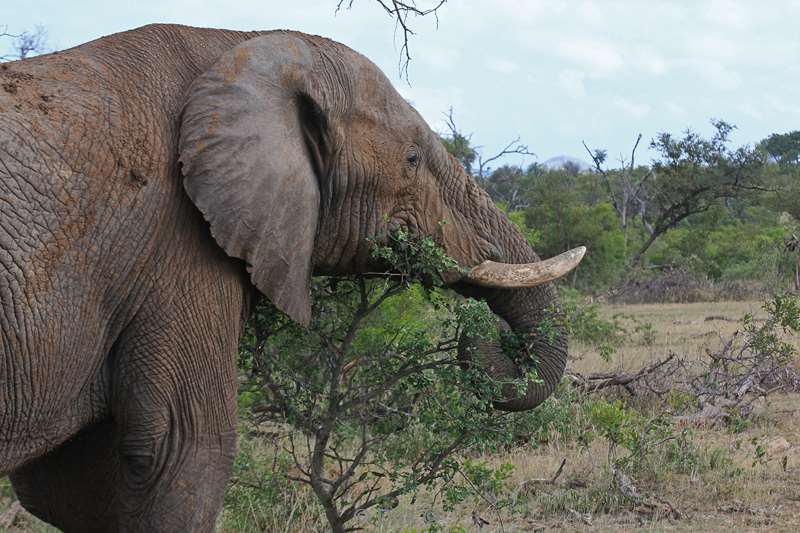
592 12
732 15
441 58
433 103
723 48
751 110
599 57
529 9
501 66
719 75
650 62
632 109
572 82
676 111
781 107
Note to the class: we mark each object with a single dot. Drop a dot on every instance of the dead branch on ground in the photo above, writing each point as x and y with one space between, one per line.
726 383
646 504
598 381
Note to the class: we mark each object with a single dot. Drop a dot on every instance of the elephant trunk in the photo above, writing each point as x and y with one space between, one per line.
528 313
531 313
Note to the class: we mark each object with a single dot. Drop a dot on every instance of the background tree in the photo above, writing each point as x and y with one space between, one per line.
24 44
655 215
783 147
561 213
624 187
692 174
507 185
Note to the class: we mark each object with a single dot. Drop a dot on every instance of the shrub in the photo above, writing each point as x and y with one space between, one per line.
378 398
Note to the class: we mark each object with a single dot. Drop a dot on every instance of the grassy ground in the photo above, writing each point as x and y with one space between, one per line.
742 479
681 328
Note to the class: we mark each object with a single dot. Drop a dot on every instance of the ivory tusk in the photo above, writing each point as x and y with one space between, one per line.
510 276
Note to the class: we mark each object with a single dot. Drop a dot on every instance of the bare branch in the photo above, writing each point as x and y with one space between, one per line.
25 43
598 381
633 151
400 12
451 125
514 147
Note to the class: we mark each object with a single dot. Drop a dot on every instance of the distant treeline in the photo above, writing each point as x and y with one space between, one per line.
719 214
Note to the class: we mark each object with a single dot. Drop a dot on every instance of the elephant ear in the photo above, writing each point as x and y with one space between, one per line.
253 144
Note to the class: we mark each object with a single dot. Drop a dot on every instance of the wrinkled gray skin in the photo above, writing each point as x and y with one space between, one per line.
152 184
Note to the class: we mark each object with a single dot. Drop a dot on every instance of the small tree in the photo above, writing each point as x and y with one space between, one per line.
375 388
26 43
625 187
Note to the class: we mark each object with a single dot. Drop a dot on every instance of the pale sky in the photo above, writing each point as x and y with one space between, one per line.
552 72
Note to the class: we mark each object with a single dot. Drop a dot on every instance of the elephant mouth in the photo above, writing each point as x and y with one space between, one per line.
519 276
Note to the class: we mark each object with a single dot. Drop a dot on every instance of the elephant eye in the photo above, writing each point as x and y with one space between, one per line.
412 158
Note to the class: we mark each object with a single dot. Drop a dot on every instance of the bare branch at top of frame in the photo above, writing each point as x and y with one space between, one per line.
400 11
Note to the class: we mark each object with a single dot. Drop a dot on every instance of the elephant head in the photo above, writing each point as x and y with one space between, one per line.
297 149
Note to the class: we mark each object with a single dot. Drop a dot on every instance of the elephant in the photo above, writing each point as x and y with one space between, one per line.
155 184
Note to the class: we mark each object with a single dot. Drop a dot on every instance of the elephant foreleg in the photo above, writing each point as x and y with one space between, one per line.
162 460
157 467
174 405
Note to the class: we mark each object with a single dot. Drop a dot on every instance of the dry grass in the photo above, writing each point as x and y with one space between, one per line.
681 328
23 522
739 493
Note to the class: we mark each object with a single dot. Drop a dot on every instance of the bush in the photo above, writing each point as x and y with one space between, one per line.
584 323
376 393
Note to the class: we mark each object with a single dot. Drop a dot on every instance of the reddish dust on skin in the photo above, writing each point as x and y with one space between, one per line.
231 72
211 128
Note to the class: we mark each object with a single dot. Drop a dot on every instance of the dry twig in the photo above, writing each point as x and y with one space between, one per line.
647 504
539 481
7 518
